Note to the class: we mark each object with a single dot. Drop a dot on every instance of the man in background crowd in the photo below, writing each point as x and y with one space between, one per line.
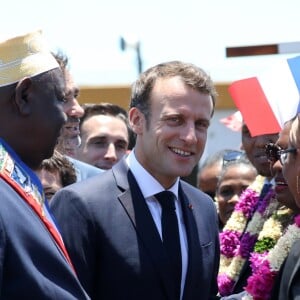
69 139
55 173
105 135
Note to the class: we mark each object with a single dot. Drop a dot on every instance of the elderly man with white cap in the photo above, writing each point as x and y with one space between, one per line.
34 263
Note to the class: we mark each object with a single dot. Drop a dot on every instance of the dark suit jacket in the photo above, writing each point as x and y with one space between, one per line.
116 248
31 265
288 280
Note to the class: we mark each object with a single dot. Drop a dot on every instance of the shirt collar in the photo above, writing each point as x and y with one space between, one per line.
22 171
147 183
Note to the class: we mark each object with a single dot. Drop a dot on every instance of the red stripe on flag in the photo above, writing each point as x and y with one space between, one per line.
251 101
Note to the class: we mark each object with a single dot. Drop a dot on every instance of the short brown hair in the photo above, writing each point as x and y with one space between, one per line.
58 162
190 74
109 109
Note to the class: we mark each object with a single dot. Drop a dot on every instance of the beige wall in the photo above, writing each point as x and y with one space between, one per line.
121 95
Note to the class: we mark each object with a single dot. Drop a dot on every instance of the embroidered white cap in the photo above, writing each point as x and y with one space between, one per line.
24 56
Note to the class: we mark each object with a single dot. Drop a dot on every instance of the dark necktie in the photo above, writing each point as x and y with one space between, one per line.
265 189
170 234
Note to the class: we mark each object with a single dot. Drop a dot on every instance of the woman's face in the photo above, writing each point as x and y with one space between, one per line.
234 181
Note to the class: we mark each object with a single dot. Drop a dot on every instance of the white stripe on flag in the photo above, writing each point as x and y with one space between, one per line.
281 91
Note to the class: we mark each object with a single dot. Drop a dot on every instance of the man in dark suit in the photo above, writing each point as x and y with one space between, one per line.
114 225
34 263
289 285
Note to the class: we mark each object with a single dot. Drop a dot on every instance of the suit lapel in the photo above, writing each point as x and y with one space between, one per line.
138 211
193 280
292 265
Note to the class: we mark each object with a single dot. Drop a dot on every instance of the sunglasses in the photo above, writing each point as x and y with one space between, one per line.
275 153
231 156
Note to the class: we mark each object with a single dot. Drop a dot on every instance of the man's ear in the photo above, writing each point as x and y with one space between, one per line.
136 120
22 96
298 116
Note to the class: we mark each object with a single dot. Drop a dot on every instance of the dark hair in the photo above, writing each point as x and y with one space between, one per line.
109 109
242 160
58 162
190 74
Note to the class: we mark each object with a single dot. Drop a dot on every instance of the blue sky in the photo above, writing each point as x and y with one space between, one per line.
192 30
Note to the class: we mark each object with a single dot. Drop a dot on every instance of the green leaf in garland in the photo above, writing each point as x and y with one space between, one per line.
264 245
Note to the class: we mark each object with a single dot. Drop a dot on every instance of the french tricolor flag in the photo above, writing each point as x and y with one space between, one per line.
269 100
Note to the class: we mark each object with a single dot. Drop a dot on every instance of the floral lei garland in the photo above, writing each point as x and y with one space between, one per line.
267 260
237 240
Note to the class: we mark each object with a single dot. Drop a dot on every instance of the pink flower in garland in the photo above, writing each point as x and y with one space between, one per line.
248 200
297 220
226 284
238 247
265 266
229 240
260 284
256 260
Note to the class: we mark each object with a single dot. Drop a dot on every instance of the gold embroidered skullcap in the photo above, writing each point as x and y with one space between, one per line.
24 56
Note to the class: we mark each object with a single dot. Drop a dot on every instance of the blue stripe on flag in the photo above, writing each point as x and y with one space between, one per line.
298 108
294 64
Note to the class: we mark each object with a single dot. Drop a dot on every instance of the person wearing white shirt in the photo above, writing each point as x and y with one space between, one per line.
113 224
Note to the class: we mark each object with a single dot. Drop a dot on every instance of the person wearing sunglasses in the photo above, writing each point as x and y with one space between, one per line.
291 161
277 154
286 193
289 283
